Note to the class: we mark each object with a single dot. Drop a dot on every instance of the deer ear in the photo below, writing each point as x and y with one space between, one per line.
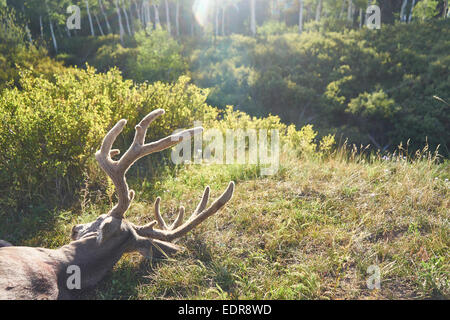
156 248
107 229
145 252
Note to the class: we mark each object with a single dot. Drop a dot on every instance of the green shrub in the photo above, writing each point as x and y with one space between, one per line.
16 51
273 27
374 87
50 130
159 57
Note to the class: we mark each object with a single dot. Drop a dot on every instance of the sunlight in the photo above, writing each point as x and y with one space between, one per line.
200 9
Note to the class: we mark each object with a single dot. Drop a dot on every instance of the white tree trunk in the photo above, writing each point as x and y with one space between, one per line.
300 17
136 8
402 10
142 11
55 45
100 4
41 26
360 18
192 24
223 20
119 17
350 10
169 29
149 16
217 19
27 29
127 21
90 18
318 10
252 17
411 11
177 18
146 15
98 24
341 14
30 39
157 22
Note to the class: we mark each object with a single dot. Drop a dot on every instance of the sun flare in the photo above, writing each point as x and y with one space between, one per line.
200 10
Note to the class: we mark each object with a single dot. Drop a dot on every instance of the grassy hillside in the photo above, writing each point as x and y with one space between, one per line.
309 232
315 229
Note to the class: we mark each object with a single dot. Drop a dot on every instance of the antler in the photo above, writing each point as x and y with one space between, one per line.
176 230
116 170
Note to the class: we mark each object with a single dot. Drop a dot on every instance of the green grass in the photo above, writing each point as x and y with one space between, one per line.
309 232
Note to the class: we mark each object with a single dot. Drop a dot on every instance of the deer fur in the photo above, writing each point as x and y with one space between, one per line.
39 273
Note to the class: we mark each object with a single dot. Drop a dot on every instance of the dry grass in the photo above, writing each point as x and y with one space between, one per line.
309 232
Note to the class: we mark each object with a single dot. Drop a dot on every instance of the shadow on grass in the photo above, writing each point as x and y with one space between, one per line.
123 282
39 226
137 278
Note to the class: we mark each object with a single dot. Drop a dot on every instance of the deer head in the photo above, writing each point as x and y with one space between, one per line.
39 273
113 226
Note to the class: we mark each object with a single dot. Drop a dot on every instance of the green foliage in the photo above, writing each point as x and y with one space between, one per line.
159 57
374 87
367 85
15 50
426 9
302 141
274 27
51 129
433 276
225 68
103 52
376 104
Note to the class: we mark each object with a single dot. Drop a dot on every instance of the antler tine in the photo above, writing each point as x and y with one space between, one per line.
169 141
169 234
103 157
116 170
179 220
111 136
161 222
202 204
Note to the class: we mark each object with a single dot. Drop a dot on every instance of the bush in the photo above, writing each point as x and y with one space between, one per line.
374 87
275 28
16 51
159 57
50 130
